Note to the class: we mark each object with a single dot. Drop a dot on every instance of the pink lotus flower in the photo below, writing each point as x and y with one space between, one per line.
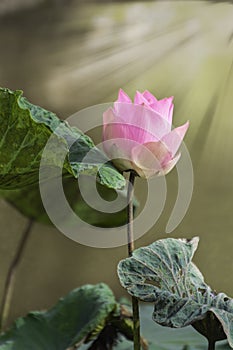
137 136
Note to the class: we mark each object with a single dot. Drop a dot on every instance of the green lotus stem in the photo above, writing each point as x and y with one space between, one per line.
135 304
11 275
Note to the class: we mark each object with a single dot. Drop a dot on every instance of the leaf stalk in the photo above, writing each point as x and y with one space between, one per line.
11 276
211 344
130 235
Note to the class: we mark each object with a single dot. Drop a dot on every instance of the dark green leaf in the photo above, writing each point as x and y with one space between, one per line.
25 130
163 273
70 321
28 201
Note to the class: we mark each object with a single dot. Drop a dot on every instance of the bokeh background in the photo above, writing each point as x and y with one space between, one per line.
71 54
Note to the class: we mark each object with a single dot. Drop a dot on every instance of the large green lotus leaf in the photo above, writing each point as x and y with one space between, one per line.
28 201
70 321
163 273
25 130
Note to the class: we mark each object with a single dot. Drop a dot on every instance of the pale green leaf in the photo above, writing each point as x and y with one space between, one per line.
163 273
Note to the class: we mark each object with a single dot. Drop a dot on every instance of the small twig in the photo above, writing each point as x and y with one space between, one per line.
11 275
135 305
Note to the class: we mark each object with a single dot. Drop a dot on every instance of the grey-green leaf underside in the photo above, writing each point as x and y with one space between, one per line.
163 273
163 338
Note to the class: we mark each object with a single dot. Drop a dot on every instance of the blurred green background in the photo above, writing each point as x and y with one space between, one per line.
67 55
